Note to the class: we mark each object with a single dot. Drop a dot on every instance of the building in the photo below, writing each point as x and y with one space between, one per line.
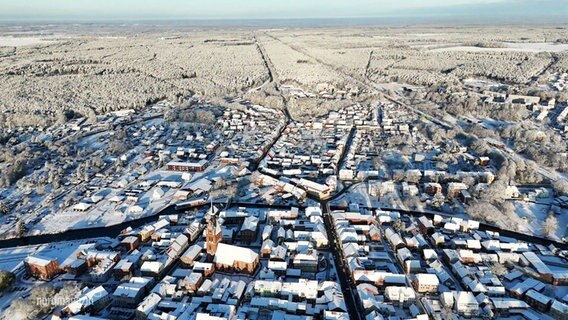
400 296
131 293
466 304
187 166
538 300
102 271
305 262
77 267
91 301
425 225
249 229
192 282
148 305
229 257
432 188
426 282
191 255
559 310
41 267
454 189
322 191
214 234
130 243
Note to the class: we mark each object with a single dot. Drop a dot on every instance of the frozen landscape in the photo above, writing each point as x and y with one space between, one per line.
175 171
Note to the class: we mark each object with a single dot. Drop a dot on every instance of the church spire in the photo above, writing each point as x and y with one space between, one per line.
214 234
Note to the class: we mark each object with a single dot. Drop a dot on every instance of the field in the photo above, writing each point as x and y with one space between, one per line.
96 71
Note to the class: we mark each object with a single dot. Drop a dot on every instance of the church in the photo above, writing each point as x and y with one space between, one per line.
225 256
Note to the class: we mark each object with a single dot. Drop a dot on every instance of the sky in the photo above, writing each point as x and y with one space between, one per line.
510 10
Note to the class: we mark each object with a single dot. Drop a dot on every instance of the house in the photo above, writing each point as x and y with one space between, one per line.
400 296
538 300
41 267
90 301
123 269
130 243
465 196
207 269
187 166
77 267
454 189
305 262
432 188
483 161
426 282
192 282
147 306
321 191
102 271
81 207
374 233
503 306
131 293
466 304
179 244
191 255
249 229
425 225
558 310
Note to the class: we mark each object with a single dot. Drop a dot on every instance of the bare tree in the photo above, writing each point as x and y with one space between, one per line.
21 309
550 225
3 207
413 202
7 279
561 187
399 225
484 211
498 269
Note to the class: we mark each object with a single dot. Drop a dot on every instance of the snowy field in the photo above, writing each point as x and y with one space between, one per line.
108 213
10 258
358 194
27 41
510 46
534 214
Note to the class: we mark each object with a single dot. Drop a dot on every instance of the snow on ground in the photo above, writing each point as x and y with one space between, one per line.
100 216
105 212
510 46
480 83
358 194
26 41
534 214
10 258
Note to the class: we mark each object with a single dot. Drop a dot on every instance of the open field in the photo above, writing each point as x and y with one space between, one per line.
44 72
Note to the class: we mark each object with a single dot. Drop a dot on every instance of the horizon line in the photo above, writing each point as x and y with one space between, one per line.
426 19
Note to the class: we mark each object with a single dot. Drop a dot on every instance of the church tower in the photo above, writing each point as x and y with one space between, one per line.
214 234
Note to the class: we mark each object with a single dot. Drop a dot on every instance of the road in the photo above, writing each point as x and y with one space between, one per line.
349 289
340 163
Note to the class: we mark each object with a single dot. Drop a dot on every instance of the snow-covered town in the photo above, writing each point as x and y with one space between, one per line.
283 160
238 212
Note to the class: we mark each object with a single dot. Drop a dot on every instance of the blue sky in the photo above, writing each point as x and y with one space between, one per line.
260 9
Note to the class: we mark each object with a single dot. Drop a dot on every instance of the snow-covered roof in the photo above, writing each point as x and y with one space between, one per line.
81 206
149 303
227 254
250 223
427 279
89 298
38 260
